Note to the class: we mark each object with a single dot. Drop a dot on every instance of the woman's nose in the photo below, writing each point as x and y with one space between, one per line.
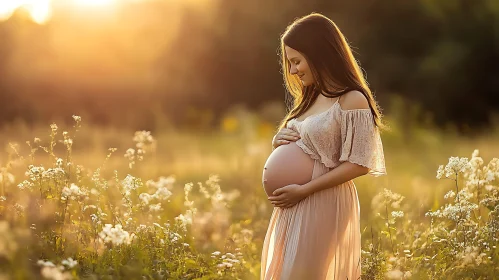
293 70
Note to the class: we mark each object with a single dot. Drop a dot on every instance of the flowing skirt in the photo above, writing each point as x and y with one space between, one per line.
316 239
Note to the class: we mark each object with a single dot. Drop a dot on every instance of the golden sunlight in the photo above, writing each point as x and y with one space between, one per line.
39 10
94 2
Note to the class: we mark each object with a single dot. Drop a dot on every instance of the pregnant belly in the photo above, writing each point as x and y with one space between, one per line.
286 165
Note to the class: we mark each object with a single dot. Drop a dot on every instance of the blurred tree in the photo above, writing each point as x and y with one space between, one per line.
182 57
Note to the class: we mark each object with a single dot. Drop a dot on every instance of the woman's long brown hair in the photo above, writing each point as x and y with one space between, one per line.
331 62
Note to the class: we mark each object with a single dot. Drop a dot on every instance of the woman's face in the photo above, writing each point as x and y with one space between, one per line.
299 66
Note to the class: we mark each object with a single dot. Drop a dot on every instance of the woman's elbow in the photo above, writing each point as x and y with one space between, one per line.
362 170
359 170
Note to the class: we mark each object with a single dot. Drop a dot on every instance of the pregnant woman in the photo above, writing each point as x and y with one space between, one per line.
329 137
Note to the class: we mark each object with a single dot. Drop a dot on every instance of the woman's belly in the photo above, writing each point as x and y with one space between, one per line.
286 165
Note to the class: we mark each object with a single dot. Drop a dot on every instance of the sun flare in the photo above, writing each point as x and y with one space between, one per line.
94 2
41 10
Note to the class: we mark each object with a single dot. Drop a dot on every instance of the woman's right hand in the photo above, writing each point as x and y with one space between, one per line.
284 136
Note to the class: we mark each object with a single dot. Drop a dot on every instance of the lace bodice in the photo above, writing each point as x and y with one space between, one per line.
336 135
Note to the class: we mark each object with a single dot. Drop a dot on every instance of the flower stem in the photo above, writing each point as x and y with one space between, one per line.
460 210
389 231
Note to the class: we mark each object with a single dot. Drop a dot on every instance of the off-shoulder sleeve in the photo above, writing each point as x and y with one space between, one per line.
361 141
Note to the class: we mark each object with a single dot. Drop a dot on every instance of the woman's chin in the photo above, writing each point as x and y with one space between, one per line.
305 83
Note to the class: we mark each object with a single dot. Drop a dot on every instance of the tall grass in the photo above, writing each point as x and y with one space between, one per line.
86 202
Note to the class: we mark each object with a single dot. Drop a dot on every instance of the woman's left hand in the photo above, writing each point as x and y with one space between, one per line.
288 196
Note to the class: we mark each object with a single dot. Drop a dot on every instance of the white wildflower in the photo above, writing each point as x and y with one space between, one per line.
397 214
26 185
455 166
19 208
53 173
385 198
394 274
440 171
490 176
187 189
70 263
490 188
130 153
143 140
141 227
392 259
145 198
115 235
45 263
131 183
73 192
155 207
157 225
89 207
449 194
203 190
76 118
162 193
55 273
68 142
6 178
187 218
174 237
34 172
163 182
479 258
475 153
227 264
469 255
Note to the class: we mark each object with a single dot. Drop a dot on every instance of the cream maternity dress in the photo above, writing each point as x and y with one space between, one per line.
319 237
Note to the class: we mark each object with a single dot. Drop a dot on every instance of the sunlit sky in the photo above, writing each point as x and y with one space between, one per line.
41 10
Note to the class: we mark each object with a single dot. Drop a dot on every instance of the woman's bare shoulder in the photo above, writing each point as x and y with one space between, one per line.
353 100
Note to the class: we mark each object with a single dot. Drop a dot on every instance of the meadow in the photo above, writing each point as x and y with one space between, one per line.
80 201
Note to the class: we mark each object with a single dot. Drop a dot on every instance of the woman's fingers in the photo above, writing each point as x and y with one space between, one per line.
285 205
294 133
289 132
274 199
286 135
279 203
281 142
290 137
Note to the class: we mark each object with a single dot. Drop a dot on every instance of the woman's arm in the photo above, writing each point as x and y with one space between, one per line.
340 174
347 170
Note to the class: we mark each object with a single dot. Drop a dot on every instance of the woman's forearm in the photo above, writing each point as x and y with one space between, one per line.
340 174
